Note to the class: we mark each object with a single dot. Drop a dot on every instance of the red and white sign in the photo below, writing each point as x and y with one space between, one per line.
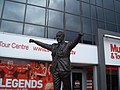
112 51
89 84
18 46
77 83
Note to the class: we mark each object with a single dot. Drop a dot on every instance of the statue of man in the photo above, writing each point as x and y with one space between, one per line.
61 66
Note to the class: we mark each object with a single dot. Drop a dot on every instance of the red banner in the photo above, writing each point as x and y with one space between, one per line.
25 75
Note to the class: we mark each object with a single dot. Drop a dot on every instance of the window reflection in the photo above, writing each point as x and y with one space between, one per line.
52 32
118 18
37 2
86 9
86 25
70 36
73 22
108 4
57 4
94 27
35 15
94 40
101 25
100 13
14 11
87 39
73 6
93 11
20 0
99 2
1 5
110 16
55 19
111 27
86 0
117 6
11 27
92 1
33 30
119 29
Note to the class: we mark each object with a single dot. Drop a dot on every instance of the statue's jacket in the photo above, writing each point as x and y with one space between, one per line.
61 57
60 54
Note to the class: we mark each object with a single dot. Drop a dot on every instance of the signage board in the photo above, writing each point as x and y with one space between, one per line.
18 46
112 51
30 75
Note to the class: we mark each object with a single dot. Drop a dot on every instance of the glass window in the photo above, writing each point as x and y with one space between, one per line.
94 27
73 6
55 19
86 9
20 0
73 22
33 30
94 39
86 1
100 13
37 2
70 35
101 24
119 29
35 15
93 11
109 16
57 4
99 2
108 4
14 11
87 39
118 18
111 27
11 27
1 5
92 1
117 6
52 32
112 77
86 25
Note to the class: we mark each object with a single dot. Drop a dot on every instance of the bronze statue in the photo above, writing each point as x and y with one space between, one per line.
61 66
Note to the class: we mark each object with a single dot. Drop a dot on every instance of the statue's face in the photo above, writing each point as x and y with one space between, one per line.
60 37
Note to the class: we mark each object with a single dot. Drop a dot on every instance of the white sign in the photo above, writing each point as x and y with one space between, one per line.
18 46
112 51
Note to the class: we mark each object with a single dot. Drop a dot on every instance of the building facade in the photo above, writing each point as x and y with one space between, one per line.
43 18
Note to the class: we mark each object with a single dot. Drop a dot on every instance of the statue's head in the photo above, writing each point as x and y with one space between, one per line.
60 36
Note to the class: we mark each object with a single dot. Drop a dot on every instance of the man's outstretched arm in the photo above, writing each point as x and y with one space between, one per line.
44 45
76 41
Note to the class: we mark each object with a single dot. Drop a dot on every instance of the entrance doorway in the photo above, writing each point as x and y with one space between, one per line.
78 80
112 77
82 78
